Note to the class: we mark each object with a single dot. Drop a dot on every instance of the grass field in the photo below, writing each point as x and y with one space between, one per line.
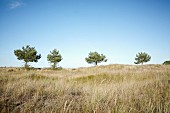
101 89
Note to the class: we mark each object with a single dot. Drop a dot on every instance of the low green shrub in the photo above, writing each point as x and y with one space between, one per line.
167 62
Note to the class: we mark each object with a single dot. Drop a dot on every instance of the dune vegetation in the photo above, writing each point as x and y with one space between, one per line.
99 89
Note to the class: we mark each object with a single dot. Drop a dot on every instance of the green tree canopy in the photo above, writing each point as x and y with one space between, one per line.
167 62
54 57
142 57
27 54
95 58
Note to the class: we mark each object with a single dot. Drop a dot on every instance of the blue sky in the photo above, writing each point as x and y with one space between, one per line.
117 28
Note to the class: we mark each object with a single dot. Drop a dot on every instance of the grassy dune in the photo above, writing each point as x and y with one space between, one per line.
101 89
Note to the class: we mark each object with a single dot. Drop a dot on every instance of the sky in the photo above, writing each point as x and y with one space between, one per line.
118 29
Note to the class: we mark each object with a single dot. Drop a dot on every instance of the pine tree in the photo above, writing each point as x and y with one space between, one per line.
54 57
142 57
95 58
28 54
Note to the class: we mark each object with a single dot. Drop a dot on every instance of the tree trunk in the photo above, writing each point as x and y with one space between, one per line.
96 63
54 65
26 65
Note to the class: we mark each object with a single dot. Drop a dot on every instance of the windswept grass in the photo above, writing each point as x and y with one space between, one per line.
101 89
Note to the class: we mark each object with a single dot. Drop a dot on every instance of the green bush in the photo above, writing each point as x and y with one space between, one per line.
167 62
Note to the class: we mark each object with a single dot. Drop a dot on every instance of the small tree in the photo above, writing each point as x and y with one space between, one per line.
167 62
142 57
28 54
95 58
54 57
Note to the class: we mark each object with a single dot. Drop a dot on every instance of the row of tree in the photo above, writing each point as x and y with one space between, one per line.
29 54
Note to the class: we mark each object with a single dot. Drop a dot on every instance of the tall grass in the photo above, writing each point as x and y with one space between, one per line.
102 89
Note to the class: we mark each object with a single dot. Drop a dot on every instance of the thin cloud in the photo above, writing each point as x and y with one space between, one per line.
15 4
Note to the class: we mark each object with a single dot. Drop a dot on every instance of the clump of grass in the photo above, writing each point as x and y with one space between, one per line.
34 76
100 78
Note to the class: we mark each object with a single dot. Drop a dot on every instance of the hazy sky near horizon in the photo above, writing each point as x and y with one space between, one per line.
117 28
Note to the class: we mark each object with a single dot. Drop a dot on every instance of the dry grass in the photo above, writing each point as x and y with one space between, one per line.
101 89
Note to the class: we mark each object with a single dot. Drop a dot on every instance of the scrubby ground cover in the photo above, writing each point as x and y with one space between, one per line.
100 89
